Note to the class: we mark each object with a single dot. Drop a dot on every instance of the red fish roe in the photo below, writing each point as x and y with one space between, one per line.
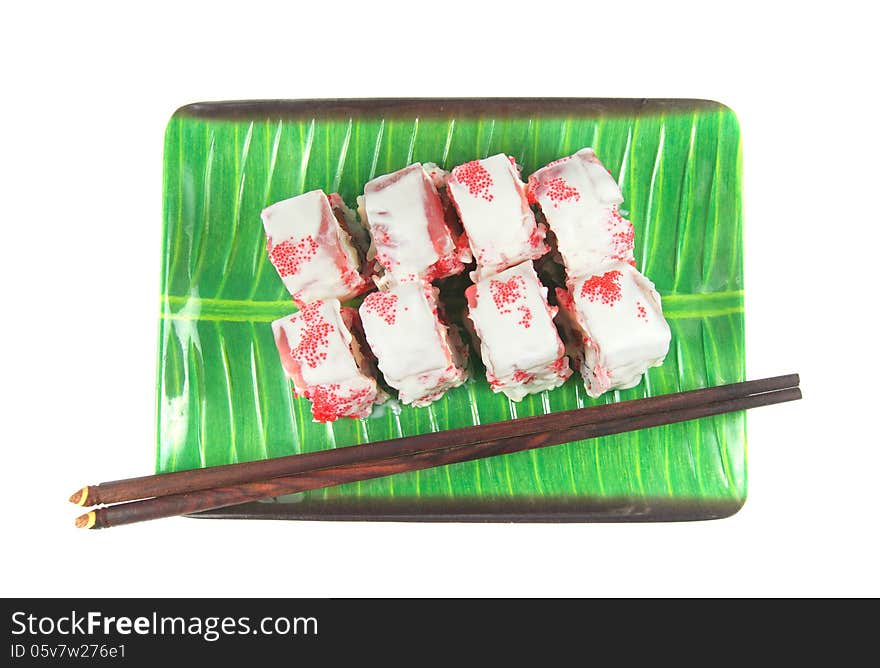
380 234
311 349
383 305
288 257
558 161
354 280
536 238
531 194
506 293
557 189
560 364
329 404
622 235
477 179
642 312
604 288
385 260
526 313
520 376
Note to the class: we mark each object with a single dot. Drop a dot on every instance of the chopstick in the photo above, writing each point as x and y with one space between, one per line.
181 482
180 504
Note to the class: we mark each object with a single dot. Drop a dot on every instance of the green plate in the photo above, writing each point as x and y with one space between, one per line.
222 395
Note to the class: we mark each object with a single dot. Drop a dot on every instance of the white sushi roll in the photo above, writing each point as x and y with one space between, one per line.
493 206
616 327
579 200
415 351
325 362
312 254
411 239
519 343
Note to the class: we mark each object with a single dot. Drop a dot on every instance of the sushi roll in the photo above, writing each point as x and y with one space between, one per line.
493 206
579 199
417 354
519 343
615 325
326 362
411 238
312 253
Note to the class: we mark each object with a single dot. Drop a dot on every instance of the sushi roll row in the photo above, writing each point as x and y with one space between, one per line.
421 224
507 304
610 314
331 352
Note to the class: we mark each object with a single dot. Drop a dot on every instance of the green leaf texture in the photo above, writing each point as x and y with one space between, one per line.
222 395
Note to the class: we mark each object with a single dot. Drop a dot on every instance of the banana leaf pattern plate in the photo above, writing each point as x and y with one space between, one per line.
222 394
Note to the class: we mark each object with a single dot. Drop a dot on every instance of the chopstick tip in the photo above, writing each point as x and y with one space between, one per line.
86 521
80 496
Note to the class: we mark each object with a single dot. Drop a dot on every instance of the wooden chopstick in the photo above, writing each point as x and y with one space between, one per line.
181 482
181 504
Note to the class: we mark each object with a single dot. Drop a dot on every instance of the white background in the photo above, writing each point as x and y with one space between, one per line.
87 89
